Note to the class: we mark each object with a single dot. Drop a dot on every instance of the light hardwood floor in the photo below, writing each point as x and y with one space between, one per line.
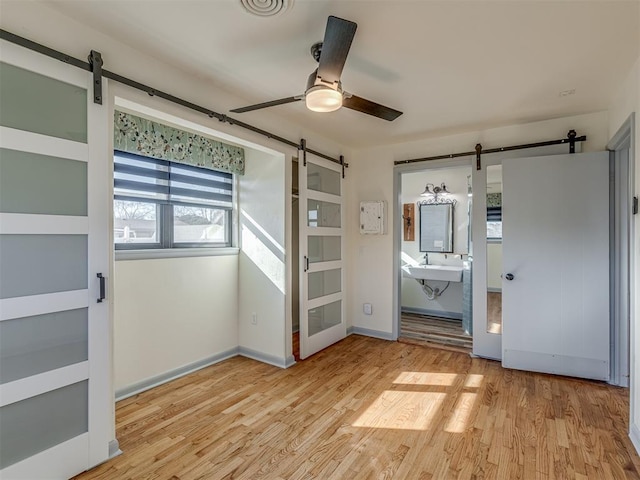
365 409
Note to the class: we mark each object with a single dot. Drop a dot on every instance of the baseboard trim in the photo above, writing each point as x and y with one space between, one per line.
367 332
494 290
263 357
433 313
634 435
290 361
165 377
349 330
114 448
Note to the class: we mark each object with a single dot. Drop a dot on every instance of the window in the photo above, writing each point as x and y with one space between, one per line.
162 204
494 223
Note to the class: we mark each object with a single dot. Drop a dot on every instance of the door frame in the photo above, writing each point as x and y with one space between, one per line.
398 171
622 170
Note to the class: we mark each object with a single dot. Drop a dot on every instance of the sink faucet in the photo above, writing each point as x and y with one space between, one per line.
426 259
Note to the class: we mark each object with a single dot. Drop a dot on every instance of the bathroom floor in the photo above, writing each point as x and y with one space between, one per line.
434 331
494 312
295 346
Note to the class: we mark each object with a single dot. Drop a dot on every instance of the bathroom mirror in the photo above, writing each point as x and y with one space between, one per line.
436 227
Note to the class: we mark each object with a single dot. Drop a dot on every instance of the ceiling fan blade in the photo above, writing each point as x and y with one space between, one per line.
272 103
336 44
370 108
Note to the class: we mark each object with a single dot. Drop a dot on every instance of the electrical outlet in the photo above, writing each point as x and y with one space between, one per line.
254 318
367 308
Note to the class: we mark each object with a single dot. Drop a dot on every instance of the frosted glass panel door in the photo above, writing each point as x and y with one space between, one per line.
322 321
55 400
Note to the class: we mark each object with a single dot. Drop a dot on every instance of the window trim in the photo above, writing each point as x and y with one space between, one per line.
158 253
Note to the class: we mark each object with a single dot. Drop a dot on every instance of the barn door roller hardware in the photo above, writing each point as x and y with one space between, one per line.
572 139
95 61
303 148
343 164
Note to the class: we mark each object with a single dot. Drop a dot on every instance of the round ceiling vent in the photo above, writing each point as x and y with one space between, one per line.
267 8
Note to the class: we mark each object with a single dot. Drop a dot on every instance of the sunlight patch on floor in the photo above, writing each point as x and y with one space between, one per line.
459 419
426 378
402 410
474 380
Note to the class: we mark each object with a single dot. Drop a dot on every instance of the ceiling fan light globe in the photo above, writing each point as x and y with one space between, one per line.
323 99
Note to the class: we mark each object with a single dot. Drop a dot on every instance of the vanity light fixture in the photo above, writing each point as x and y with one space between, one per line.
431 190
436 195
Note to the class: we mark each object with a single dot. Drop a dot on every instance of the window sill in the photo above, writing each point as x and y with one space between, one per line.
154 253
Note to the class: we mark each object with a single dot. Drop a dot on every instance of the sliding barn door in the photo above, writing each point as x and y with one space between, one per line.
55 405
555 290
322 237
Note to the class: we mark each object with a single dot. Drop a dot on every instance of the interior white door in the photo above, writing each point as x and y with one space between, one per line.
322 308
55 404
556 264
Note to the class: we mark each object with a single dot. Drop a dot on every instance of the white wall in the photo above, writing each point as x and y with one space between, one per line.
263 197
413 184
626 102
172 312
370 268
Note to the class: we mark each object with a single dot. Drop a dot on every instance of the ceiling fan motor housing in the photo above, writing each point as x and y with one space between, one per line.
316 50
315 80
322 96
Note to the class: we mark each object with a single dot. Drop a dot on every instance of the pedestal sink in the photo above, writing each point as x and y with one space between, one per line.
443 273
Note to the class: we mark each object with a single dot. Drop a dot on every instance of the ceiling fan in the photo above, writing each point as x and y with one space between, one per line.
324 89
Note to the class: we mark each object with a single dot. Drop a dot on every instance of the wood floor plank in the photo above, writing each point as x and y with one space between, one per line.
365 409
434 331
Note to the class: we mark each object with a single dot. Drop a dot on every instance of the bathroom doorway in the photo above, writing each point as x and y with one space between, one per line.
435 264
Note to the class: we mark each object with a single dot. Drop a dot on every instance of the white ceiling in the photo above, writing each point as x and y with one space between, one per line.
449 65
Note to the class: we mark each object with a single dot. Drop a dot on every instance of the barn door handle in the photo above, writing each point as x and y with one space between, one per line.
306 263
102 288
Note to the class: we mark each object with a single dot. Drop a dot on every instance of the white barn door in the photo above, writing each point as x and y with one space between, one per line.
322 247
555 288
55 404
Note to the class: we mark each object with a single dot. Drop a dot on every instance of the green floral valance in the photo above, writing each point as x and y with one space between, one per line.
138 135
494 199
